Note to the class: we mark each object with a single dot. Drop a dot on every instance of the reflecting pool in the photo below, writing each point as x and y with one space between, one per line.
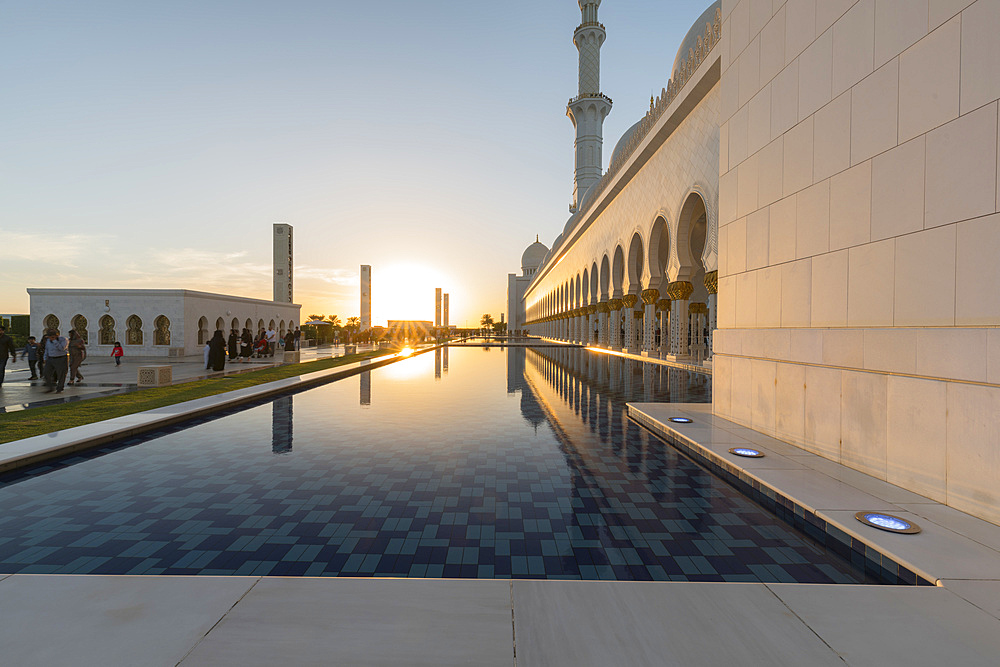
464 462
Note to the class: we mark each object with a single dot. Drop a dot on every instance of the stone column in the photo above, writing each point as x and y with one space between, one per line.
712 285
614 324
629 301
649 299
603 308
663 309
679 293
699 315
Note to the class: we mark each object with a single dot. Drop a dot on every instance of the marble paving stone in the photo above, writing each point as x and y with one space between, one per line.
816 491
771 458
104 620
304 621
983 594
935 552
984 532
859 480
895 625
636 623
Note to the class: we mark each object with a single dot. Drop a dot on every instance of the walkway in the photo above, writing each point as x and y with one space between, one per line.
102 377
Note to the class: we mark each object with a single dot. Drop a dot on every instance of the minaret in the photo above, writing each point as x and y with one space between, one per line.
590 107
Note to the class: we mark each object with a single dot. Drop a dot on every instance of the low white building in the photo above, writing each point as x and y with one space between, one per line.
154 322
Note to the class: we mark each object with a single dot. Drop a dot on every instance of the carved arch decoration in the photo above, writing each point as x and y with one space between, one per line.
50 322
79 324
161 330
106 332
133 330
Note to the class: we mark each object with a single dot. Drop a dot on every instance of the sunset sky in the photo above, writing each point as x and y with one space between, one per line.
152 144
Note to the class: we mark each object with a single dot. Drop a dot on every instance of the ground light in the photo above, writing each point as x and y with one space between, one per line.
887 522
680 420
747 452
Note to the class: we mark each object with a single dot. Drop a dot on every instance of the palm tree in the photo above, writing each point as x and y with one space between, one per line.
486 321
313 318
353 324
334 321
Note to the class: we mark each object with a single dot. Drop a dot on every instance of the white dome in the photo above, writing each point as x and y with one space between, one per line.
620 146
691 38
533 256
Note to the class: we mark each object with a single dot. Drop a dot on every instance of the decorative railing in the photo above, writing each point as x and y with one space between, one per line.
588 96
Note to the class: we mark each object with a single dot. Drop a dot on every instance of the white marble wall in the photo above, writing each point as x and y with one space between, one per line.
859 287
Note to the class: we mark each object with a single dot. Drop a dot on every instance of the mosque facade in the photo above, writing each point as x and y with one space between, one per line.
809 211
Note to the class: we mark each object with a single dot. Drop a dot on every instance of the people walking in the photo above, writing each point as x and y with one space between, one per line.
56 361
295 339
77 353
217 351
117 352
246 344
6 350
32 353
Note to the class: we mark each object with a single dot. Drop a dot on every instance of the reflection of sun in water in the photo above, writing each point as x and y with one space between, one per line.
405 292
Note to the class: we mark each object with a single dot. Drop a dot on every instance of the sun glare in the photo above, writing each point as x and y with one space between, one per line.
405 292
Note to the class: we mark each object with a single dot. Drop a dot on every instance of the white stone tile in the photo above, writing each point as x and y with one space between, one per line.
898 190
982 594
942 10
777 342
919 301
974 450
978 272
737 246
722 384
762 379
724 148
853 45
727 302
832 142
101 620
729 93
829 290
869 284
759 123
769 297
812 220
746 196
966 525
851 207
727 197
749 71
928 81
746 300
980 54
874 113
962 168
741 401
760 14
816 75
829 11
798 158
993 356
916 436
781 228
364 622
952 352
891 350
806 346
884 491
724 251
822 411
844 347
758 238
785 100
796 293
790 405
895 625
769 172
724 50
738 129
898 24
739 24
753 340
772 46
599 623
800 26
816 491
863 422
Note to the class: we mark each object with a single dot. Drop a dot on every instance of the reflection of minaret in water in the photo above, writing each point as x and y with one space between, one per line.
281 425
437 364
444 356
366 388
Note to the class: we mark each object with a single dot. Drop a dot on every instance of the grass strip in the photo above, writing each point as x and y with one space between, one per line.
46 419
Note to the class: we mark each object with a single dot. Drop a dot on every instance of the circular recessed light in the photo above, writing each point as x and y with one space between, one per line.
888 522
680 420
747 452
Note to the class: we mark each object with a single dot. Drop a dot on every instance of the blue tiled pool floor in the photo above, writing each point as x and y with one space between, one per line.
483 464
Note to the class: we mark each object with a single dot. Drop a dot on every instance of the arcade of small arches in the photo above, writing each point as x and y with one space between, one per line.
107 329
235 324
652 295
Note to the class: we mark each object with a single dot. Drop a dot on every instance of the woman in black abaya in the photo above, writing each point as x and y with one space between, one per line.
217 351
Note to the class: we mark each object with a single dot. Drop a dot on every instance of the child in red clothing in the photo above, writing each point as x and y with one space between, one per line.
118 353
